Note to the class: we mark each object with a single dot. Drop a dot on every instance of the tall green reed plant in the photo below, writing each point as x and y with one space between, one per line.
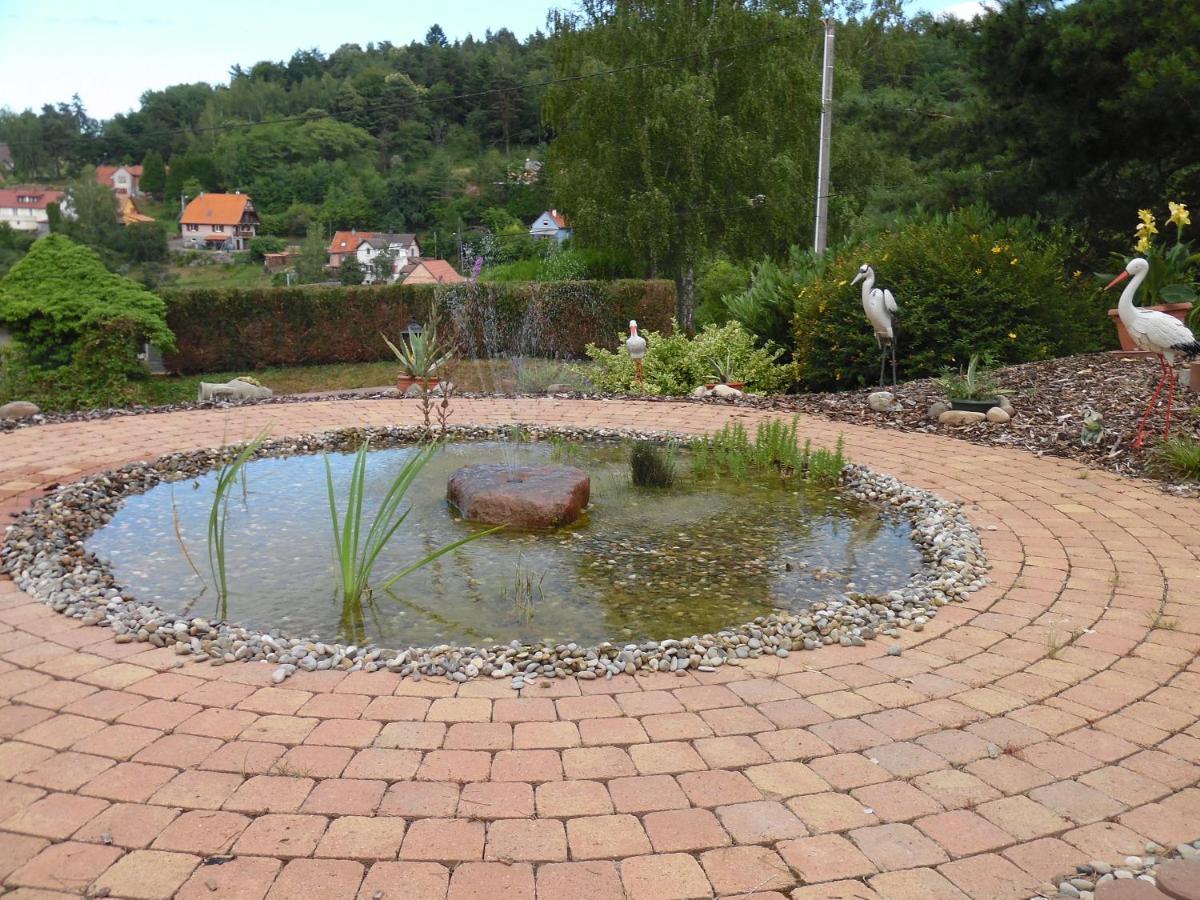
229 475
356 551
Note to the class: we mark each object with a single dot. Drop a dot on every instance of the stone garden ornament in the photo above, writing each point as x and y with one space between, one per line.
880 307
237 389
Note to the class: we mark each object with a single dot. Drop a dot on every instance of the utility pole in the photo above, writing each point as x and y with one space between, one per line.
822 223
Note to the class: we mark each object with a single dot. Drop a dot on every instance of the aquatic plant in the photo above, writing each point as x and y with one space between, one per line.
230 473
824 466
527 590
651 464
774 449
356 553
562 449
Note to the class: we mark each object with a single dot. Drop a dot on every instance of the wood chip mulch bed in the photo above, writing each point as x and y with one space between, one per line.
1050 399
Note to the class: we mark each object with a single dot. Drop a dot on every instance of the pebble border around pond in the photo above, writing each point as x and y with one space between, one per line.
43 551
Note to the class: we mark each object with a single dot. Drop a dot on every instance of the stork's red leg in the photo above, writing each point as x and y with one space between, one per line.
1170 400
1141 430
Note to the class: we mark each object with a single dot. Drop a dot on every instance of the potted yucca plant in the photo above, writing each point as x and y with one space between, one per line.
973 389
420 357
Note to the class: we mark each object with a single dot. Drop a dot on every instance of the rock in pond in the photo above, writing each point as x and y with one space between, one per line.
521 496
19 409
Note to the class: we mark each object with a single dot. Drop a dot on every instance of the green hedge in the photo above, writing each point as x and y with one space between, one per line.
224 330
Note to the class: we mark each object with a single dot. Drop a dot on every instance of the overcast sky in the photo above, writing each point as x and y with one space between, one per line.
110 53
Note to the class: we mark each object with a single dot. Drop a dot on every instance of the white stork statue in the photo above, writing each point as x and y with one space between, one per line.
880 307
636 345
1163 335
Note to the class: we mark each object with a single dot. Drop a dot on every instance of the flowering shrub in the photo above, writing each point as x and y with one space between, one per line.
1173 269
676 364
965 283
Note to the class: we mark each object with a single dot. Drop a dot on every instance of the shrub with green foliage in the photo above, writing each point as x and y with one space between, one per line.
965 283
60 293
261 246
676 364
231 329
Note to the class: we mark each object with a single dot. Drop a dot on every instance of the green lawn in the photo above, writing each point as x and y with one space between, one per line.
230 275
473 375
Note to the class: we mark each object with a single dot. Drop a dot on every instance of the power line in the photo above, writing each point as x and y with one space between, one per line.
469 95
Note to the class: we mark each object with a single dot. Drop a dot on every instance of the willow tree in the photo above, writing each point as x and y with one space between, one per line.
663 160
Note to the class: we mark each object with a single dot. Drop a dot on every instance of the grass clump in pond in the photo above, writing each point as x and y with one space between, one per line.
652 465
355 553
527 591
774 449
218 518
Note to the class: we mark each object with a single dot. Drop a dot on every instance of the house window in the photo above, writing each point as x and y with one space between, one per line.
193 228
218 228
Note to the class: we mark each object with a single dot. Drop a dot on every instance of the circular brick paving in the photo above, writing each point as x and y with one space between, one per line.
1051 719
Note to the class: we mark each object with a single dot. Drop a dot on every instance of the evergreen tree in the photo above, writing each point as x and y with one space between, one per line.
310 264
154 173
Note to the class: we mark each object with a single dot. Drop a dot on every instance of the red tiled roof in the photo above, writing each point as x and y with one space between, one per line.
438 270
215 209
31 197
348 241
104 174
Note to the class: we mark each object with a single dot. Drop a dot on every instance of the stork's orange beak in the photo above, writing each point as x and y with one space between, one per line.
1117 280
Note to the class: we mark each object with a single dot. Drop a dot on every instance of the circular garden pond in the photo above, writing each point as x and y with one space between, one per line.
711 551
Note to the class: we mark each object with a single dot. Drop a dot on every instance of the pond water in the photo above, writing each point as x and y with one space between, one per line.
641 563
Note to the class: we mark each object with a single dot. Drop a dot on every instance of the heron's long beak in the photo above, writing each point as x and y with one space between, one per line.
1117 280
857 278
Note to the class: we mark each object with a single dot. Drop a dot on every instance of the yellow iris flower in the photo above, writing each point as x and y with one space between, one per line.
1143 244
1179 214
1012 335
996 248
1013 261
1146 216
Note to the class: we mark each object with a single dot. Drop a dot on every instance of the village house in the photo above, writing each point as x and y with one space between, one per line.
123 180
367 245
432 271
24 207
550 224
219 222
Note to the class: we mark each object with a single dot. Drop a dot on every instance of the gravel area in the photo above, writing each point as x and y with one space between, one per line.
44 553
1090 876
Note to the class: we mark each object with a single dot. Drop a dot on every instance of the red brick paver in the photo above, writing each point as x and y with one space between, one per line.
977 764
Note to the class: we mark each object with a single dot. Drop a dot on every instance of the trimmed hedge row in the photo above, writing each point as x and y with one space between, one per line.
227 330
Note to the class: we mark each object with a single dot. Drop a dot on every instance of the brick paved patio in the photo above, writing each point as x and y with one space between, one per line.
842 773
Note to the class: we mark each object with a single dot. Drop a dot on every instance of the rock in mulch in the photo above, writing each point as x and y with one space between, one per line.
19 409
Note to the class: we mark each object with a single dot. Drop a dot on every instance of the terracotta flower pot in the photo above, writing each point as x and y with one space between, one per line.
1178 310
736 385
404 382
